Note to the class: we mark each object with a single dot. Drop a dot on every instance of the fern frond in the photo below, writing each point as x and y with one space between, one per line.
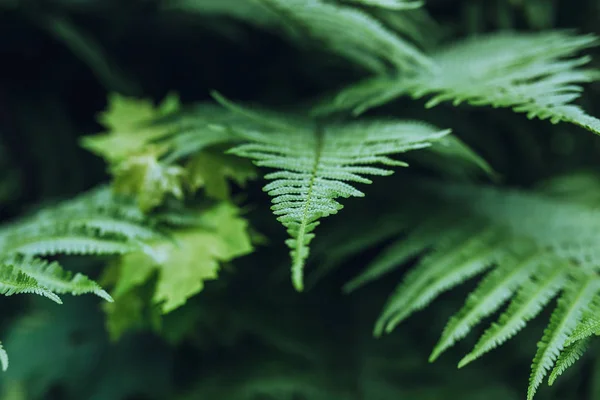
352 33
573 303
313 165
497 287
532 73
588 327
471 252
95 223
67 243
418 240
14 281
53 277
344 28
568 357
532 297
532 258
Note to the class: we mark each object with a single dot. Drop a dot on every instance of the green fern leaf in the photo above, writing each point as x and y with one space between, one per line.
533 258
72 244
531 73
531 298
313 165
109 225
351 33
472 251
568 357
497 287
14 281
198 133
53 277
417 241
588 327
95 223
574 301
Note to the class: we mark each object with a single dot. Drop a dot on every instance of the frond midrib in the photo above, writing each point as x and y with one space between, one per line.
297 266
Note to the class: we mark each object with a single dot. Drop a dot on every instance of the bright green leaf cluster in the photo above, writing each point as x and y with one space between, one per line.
181 262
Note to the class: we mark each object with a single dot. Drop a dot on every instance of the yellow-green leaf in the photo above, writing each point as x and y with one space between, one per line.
149 180
128 129
210 170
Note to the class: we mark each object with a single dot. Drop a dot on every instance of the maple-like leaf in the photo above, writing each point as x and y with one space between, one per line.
128 129
181 263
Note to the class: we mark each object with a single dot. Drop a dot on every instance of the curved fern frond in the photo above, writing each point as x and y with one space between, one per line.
70 243
532 259
14 281
535 293
575 300
589 326
316 164
471 252
532 73
352 33
568 357
52 276
95 223
497 287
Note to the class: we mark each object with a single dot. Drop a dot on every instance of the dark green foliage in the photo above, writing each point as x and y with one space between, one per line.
493 228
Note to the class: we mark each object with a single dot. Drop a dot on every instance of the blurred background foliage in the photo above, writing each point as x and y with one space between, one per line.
248 335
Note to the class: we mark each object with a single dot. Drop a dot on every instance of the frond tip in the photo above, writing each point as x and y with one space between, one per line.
316 164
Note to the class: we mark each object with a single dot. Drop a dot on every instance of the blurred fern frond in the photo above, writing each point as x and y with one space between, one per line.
461 231
532 73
